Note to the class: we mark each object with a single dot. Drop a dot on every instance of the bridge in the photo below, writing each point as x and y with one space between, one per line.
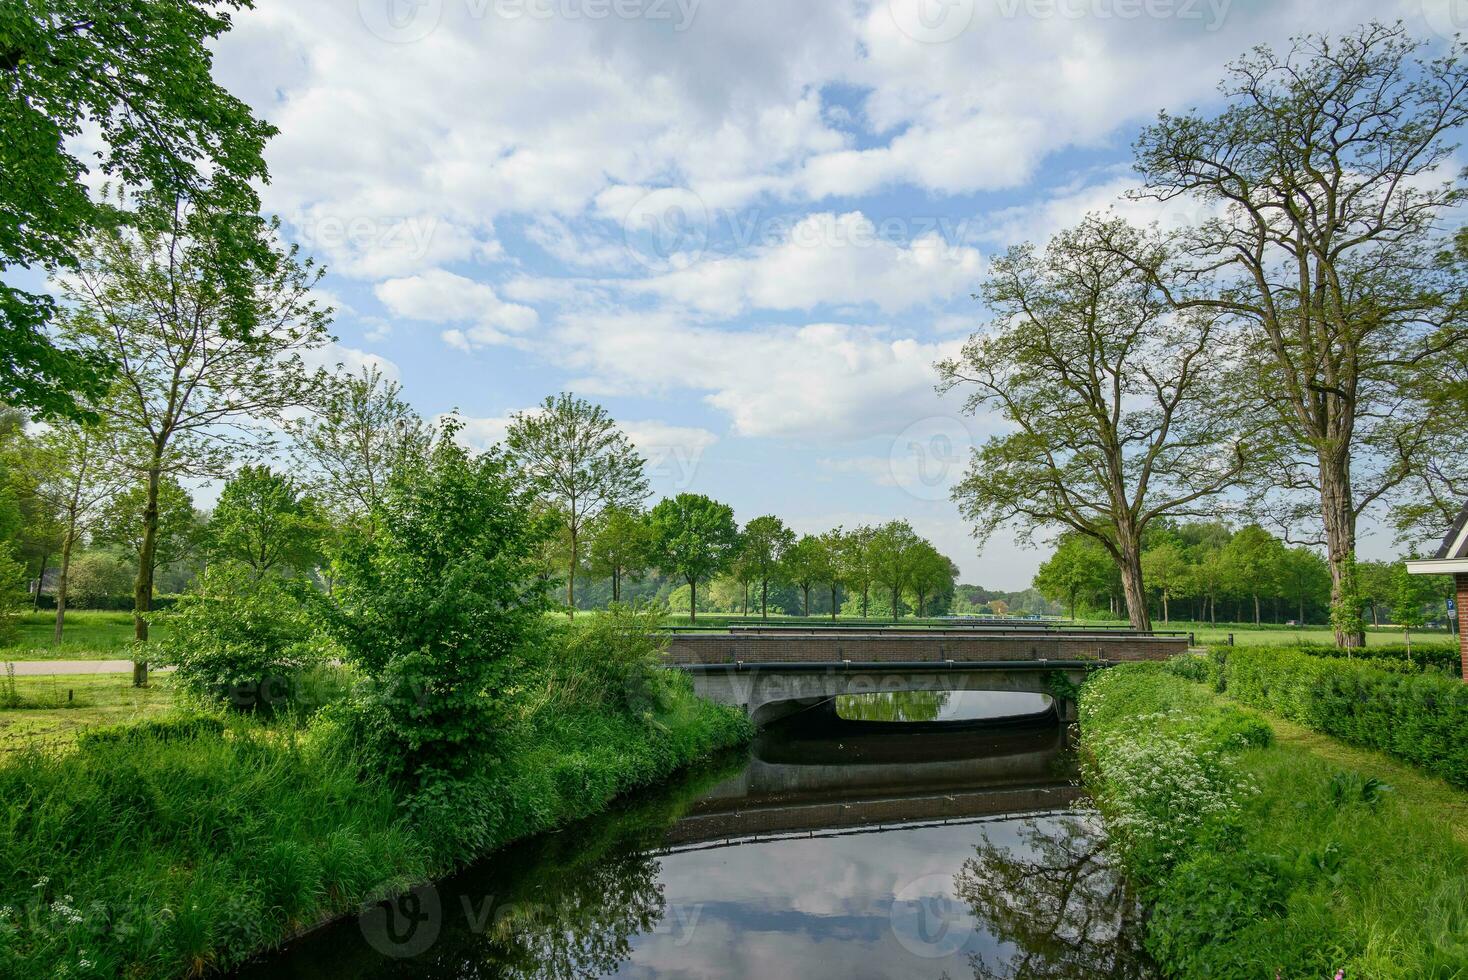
772 671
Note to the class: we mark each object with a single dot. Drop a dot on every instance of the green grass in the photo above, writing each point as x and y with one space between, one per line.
191 842
58 706
88 635
1307 873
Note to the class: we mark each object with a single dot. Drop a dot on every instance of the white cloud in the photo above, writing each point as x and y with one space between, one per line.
438 296
350 359
824 380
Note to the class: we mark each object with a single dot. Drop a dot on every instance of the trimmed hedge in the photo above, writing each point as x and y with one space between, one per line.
1421 718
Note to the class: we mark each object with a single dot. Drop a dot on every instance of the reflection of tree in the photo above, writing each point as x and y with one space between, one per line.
1057 898
893 706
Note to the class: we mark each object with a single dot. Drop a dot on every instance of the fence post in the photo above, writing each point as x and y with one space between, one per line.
1230 639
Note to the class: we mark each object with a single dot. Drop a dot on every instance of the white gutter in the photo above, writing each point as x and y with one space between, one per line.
1438 566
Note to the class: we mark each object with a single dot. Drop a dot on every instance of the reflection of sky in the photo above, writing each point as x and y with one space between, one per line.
819 907
969 705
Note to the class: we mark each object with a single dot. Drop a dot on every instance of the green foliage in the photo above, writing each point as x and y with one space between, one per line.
693 537
1259 859
764 542
1420 718
613 660
241 639
264 522
438 605
1078 571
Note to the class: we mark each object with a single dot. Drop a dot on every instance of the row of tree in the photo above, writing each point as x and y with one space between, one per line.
1298 352
1193 566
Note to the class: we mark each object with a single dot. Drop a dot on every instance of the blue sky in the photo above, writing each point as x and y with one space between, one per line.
748 228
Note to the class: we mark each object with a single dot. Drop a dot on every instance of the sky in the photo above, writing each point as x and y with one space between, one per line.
747 227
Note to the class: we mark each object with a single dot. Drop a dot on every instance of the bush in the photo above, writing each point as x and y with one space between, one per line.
612 660
240 639
440 601
1420 718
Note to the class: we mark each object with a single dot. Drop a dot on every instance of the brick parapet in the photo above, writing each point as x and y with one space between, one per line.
719 648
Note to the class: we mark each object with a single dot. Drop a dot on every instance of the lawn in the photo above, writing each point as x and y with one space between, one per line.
89 635
57 706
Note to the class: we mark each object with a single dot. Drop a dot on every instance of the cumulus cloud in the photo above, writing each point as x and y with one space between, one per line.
438 296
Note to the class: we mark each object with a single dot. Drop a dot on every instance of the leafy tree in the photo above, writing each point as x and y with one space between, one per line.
178 535
855 564
75 469
577 458
1346 604
1119 408
192 392
694 538
894 553
1305 579
1253 560
1166 568
136 77
1378 584
359 431
1323 168
766 542
807 563
1210 576
1079 567
1410 597
264 522
619 546
439 604
834 542
932 574
99 574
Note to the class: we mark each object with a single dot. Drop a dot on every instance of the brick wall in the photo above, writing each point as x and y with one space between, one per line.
721 648
1462 581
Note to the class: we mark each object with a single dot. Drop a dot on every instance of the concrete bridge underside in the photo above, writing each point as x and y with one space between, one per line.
769 692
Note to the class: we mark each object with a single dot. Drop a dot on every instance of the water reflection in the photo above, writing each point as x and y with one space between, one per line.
827 851
938 706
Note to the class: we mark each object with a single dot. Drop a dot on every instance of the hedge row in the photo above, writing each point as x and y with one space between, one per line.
1421 718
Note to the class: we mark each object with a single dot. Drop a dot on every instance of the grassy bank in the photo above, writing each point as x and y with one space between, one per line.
58 706
1263 857
90 634
191 842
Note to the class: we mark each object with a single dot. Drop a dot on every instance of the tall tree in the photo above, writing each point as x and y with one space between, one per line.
1327 167
578 459
135 78
619 546
75 469
192 392
1253 560
932 573
855 563
806 564
1118 407
694 538
1305 579
359 431
766 540
264 522
834 543
177 530
893 554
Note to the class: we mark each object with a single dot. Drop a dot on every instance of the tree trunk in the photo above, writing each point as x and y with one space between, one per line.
1256 609
1340 529
1131 583
806 589
61 582
571 580
692 600
746 598
40 582
764 598
143 584
833 601
894 605
616 584
864 593
1166 617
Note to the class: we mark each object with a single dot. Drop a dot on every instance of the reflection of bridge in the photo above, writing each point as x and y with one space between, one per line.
931 778
779 671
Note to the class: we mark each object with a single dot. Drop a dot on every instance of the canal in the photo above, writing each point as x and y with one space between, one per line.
929 834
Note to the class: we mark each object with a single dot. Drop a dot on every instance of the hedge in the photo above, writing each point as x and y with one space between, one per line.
1421 718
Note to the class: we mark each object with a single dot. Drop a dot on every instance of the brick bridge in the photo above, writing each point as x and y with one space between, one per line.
772 672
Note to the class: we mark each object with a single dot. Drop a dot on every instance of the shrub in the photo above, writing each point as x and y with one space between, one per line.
1421 718
611 659
240 639
440 600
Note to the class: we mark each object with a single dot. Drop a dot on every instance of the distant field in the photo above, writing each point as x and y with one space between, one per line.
89 635
59 706
1270 634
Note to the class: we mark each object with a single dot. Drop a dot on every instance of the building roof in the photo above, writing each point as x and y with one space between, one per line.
1455 542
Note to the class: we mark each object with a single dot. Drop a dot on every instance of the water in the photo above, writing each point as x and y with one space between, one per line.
842 844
